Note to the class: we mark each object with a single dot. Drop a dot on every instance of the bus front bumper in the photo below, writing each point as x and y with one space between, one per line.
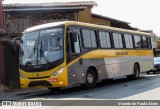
42 83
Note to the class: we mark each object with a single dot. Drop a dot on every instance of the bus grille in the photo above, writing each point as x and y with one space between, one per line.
39 77
39 83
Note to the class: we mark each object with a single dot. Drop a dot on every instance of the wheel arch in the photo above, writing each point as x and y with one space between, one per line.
95 69
138 66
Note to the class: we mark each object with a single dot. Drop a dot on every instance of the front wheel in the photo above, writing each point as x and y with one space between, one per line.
90 79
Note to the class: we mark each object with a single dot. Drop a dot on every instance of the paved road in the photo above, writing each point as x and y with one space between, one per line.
145 88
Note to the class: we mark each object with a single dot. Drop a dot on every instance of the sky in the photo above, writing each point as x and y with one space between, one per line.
142 14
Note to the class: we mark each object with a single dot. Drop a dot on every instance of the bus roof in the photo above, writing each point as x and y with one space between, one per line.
42 26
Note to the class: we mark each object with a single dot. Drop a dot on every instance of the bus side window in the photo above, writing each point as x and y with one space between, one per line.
74 42
128 41
137 42
144 42
117 39
149 45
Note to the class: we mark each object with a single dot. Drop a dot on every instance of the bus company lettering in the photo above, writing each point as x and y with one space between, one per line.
121 53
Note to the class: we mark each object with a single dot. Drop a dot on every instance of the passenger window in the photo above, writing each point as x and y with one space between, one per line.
144 42
74 40
104 40
89 38
149 45
128 41
117 38
93 39
137 42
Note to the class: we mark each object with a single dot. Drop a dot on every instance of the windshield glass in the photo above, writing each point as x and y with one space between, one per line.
42 47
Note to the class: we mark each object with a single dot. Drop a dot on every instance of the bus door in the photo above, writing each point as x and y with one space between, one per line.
75 70
73 45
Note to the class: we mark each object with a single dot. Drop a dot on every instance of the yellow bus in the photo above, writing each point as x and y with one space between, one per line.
67 54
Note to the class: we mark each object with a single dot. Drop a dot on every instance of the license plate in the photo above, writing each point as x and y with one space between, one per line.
52 79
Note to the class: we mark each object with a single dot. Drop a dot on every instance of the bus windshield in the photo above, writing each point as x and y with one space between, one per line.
42 47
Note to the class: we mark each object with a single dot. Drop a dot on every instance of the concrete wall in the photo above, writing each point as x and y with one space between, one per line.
85 15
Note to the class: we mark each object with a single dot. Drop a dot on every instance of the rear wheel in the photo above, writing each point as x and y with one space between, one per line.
55 89
158 70
90 79
148 72
136 72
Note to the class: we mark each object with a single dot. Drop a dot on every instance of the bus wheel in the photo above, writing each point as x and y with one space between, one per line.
55 89
136 72
90 79
148 72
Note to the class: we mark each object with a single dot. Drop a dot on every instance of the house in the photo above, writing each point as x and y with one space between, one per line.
18 17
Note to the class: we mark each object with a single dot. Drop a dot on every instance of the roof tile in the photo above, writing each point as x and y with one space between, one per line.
51 4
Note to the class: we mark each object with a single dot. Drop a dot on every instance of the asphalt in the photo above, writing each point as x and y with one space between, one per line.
104 90
147 87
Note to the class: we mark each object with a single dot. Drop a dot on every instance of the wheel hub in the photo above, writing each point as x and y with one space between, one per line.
90 78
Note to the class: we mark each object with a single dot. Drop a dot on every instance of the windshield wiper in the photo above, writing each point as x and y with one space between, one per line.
33 49
42 54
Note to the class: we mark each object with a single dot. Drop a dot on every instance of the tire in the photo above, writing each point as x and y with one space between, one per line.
136 73
154 72
158 69
90 79
148 72
55 90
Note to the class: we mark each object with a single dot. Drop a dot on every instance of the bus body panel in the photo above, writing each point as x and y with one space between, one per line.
108 64
77 72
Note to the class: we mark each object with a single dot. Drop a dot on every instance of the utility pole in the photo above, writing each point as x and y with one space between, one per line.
1 14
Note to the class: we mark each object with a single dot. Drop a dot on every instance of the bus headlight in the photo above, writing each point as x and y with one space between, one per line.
21 75
58 72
